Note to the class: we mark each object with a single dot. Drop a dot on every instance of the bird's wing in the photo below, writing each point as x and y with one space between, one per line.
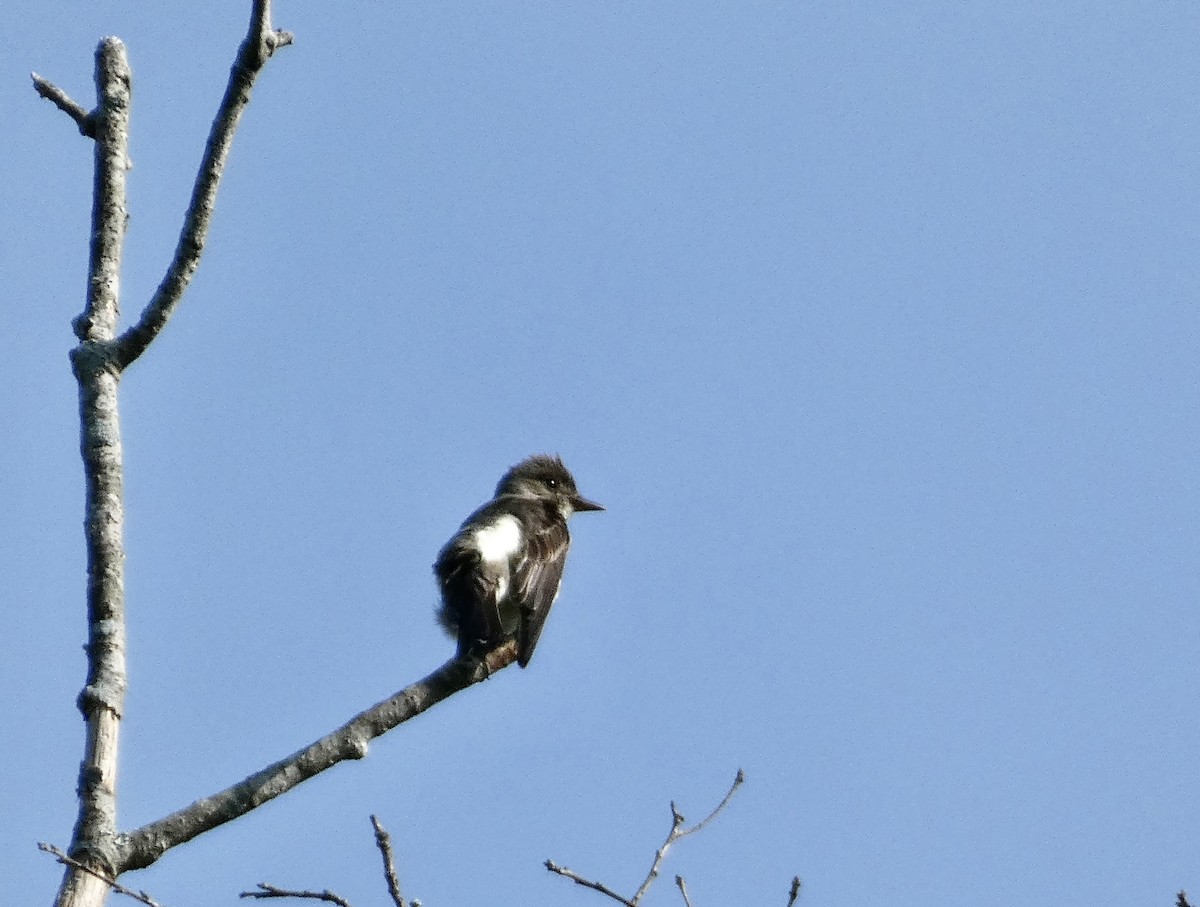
537 579
470 592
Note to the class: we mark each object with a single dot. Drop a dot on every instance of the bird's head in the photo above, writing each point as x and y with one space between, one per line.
545 477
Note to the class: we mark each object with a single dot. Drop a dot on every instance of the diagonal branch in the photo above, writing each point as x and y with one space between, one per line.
266 891
738 781
260 43
144 846
678 831
63 101
586 883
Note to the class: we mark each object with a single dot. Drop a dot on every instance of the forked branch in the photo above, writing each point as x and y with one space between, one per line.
98 361
677 831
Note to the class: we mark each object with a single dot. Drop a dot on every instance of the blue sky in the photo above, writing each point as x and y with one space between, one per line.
873 325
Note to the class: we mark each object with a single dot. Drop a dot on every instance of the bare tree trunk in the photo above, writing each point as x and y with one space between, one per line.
98 362
102 699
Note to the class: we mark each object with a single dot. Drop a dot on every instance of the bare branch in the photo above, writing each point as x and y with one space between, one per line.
145 845
115 886
678 831
114 88
587 883
61 100
738 781
102 700
795 892
260 43
660 854
97 363
98 855
682 886
384 841
270 891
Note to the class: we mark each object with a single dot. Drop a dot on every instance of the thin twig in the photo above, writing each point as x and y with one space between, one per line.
587 883
660 854
115 886
682 886
384 841
795 892
678 831
61 100
738 781
270 891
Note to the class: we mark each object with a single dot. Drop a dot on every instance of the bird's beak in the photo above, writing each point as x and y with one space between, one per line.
581 503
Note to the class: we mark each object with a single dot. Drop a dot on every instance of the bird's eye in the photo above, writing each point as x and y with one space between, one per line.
553 483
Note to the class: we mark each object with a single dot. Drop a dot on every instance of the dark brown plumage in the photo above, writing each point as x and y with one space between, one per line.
501 571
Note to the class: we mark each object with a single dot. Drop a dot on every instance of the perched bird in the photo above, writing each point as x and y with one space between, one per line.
500 573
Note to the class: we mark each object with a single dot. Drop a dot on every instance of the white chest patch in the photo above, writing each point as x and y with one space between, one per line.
499 541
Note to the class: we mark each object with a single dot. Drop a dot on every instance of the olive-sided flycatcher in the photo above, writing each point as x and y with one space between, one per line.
500 573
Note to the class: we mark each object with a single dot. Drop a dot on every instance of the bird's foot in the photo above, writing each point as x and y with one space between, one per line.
475 653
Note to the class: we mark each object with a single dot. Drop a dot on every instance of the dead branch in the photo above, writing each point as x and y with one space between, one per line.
115 886
266 891
384 842
261 41
682 886
587 883
61 100
677 831
103 697
97 362
145 845
794 892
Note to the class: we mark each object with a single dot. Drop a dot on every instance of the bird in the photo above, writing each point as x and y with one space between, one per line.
500 573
